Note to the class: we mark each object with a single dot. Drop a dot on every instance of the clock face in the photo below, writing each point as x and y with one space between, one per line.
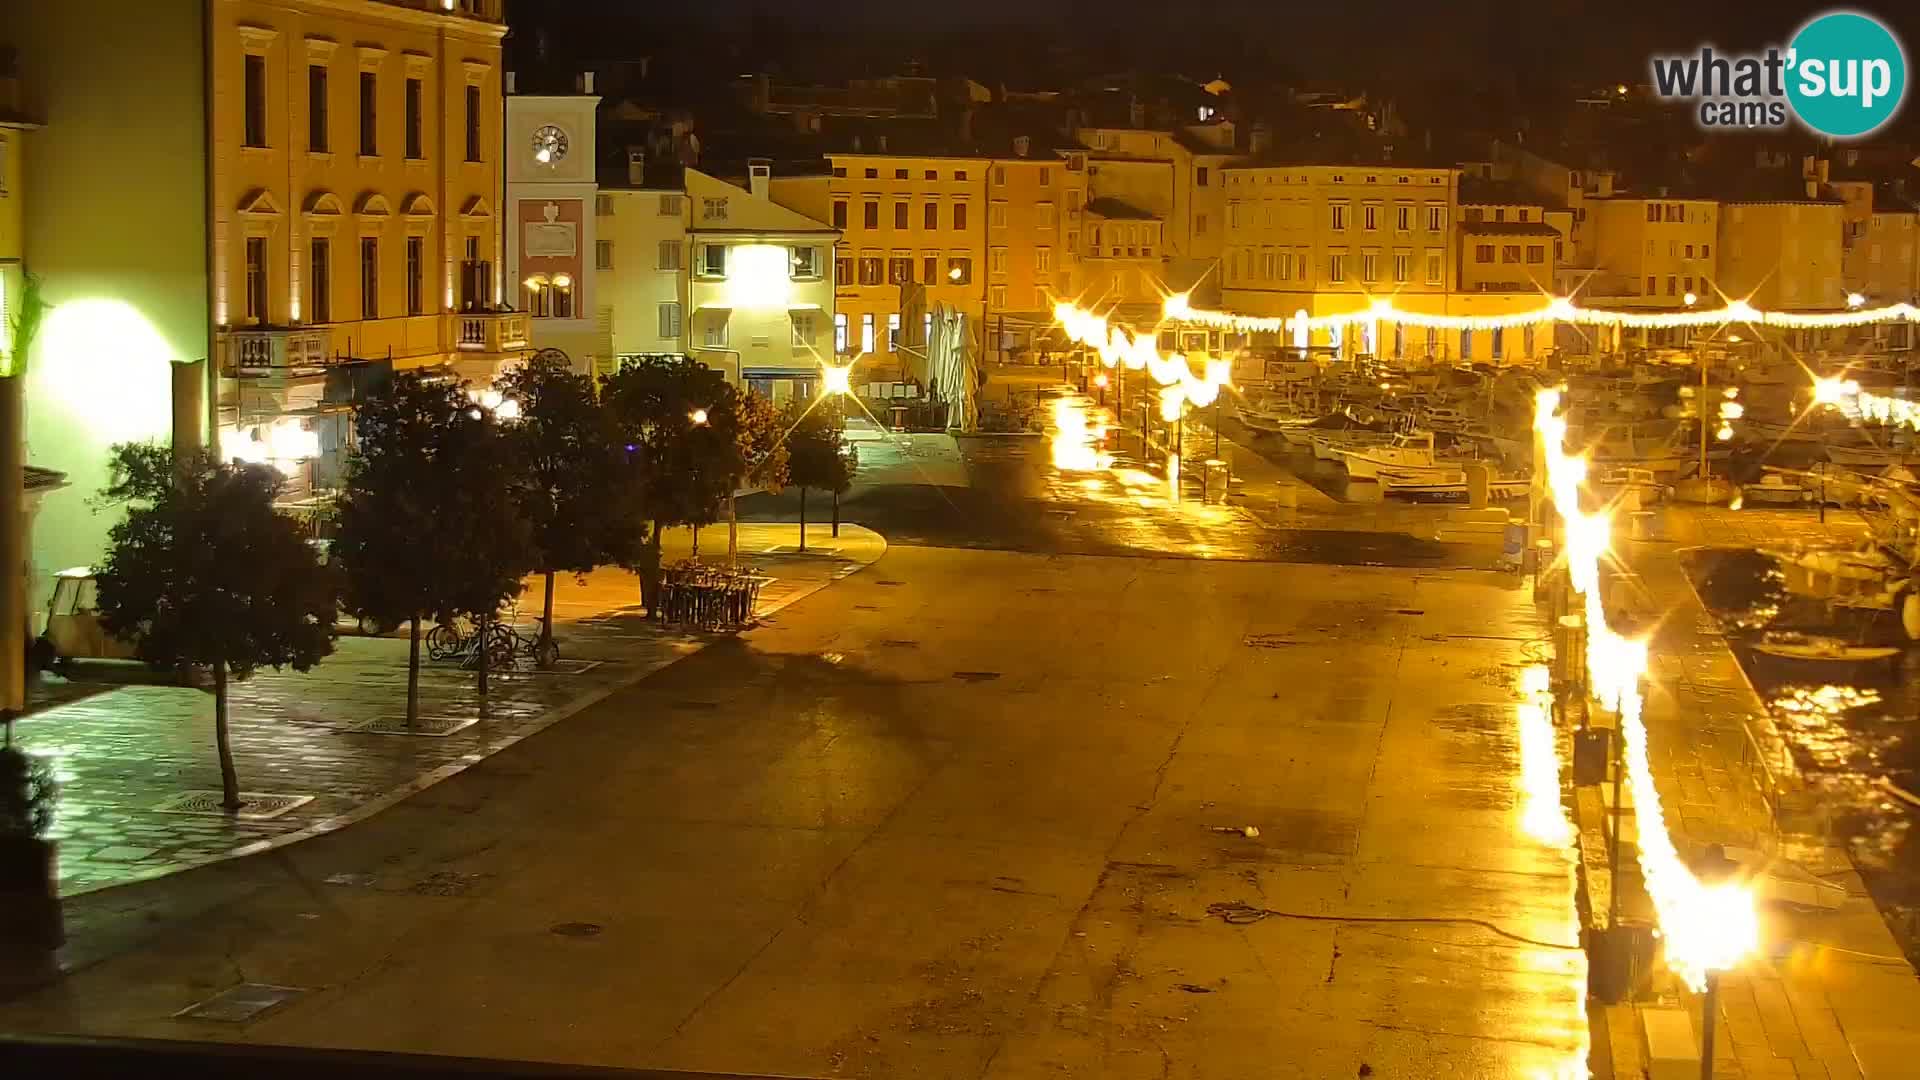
549 144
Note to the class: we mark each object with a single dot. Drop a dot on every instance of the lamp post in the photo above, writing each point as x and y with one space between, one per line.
733 517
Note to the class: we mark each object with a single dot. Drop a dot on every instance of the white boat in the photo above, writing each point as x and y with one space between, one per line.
1774 490
1826 650
1444 480
1327 445
1365 462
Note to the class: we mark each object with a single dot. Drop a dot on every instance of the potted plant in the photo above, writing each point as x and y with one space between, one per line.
29 865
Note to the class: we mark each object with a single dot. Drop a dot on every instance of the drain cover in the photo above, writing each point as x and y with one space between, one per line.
239 1004
976 676
434 726
576 929
254 805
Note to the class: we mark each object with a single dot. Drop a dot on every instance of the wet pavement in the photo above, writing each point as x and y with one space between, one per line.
963 814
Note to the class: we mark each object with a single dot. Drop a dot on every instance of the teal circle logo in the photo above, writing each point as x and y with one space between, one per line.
1847 74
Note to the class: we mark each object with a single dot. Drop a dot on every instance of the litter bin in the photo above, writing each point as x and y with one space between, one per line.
1214 475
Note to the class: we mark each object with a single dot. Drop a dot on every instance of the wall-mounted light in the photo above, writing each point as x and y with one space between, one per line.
563 281
1856 300
698 416
1690 299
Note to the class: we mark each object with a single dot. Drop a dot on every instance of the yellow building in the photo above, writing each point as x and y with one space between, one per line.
1783 254
1174 177
1877 241
1037 211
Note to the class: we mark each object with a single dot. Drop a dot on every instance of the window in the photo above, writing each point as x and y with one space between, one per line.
317 108
1436 218
803 328
1483 253
560 296
1653 211
256 90
1499 213
257 279
999 297
899 174
997 260
870 214
870 270
713 260
1200 176
1336 268
415 150
997 215
893 332
1510 253
840 171
369 114
1689 251
839 215
1402 267
670 320
866 332
1043 259
1676 212
1536 253
840 333
1369 267
803 263
1403 217
1370 217
476 278
1435 272
900 215
959 270
1046 177
1073 241
1466 344
669 205
473 123
1559 249
1473 215
603 206
369 277
669 256
714 335
1653 285
1045 211
603 254
900 270
999 176
1270 265
1499 342
713 209
930 216
843 270
930 270
1706 251
1339 215
416 275
1199 224
320 280
873 174
959 215
933 174
1673 285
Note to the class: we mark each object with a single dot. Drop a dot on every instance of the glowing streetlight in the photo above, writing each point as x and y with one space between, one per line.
699 417
1100 380
835 380
953 274
1856 300
1621 89
1690 299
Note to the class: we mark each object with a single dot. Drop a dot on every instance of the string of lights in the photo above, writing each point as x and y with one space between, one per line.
1177 308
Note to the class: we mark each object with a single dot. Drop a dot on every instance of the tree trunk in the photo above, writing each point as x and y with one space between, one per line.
484 625
413 670
695 529
546 614
229 780
836 513
803 517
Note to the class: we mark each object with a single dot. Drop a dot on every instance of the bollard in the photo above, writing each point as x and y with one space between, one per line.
1479 486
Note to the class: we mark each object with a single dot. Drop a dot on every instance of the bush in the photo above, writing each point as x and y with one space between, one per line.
27 794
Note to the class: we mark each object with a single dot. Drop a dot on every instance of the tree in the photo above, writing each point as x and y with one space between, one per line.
581 512
431 522
818 454
204 572
690 439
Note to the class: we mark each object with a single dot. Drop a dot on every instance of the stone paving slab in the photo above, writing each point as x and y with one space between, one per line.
122 751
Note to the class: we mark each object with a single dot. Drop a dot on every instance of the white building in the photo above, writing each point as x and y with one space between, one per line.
760 285
642 260
552 227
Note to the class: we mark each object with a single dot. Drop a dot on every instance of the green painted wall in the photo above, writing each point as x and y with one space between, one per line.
116 222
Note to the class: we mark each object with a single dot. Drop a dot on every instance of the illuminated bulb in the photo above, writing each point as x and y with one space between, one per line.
953 274
562 281
1855 300
1690 299
508 410
835 380
1621 89
535 284
1171 400
698 416
542 155
1725 432
1733 339
1100 380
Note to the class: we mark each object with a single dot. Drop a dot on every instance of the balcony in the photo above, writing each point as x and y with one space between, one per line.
484 10
283 352
492 332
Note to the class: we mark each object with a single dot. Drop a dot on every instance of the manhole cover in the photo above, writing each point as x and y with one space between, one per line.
445 883
1268 641
254 805
976 676
576 929
899 643
434 726
239 1004
1407 611
865 607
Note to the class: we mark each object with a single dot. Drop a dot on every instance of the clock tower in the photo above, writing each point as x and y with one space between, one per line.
551 237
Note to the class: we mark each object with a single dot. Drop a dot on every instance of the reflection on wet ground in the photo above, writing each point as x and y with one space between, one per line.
1852 725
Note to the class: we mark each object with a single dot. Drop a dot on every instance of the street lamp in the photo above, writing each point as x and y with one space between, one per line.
1856 300
699 417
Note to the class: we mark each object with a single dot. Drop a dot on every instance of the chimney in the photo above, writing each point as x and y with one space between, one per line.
759 177
883 142
1260 139
1137 115
1021 144
586 82
508 88
637 166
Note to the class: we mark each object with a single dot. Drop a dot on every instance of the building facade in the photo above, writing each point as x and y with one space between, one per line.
642 268
553 246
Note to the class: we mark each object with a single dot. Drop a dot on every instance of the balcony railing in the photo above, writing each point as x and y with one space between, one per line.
261 352
492 331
